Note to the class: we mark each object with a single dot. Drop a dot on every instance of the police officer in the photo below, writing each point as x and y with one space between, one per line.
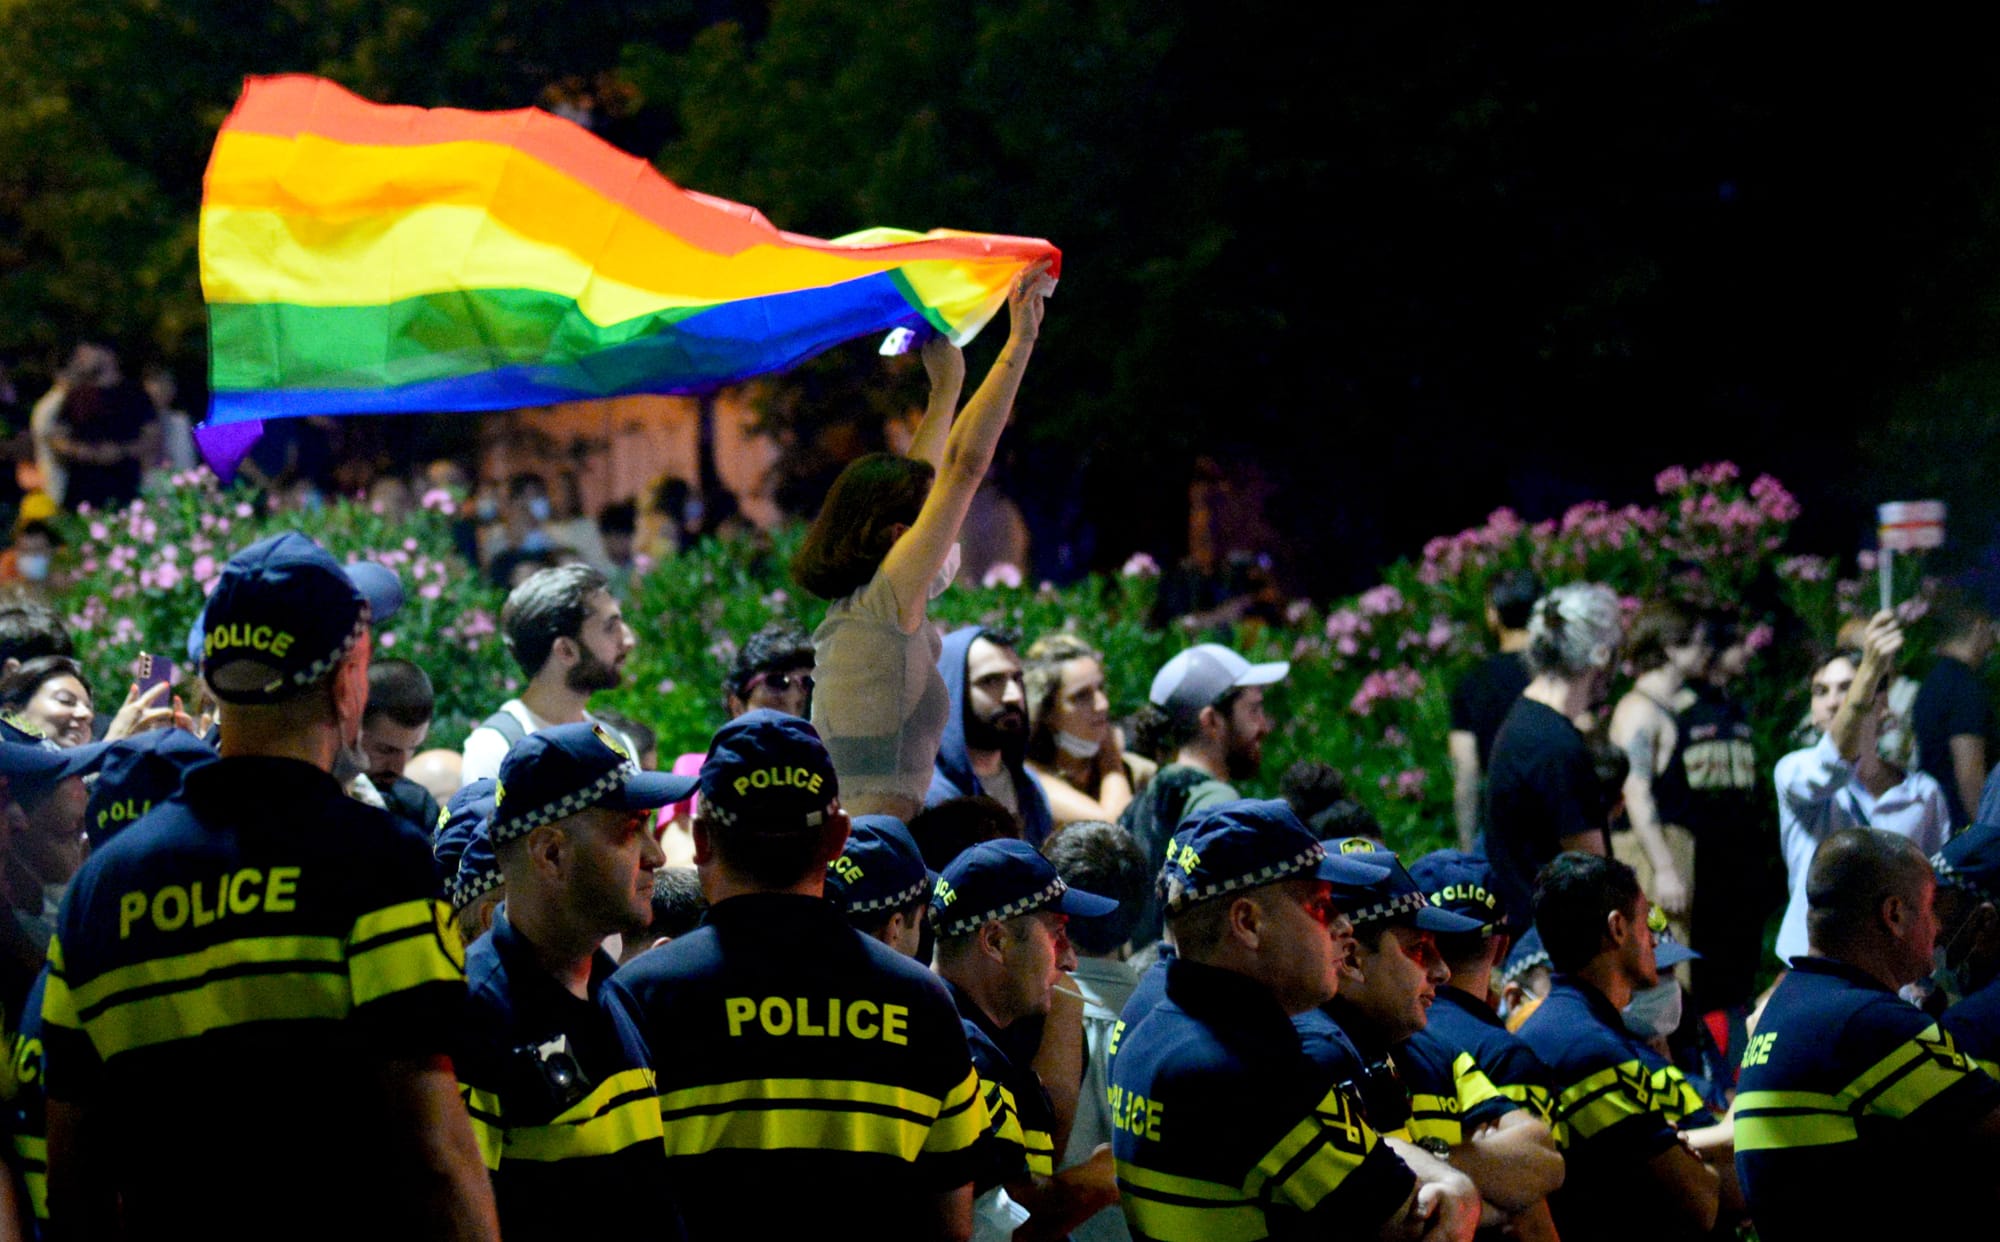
1620 1106
1413 1085
801 1064
1000 908
1462 1016
1462 1032
132 775
254 991
1222 1126
1967 960
563 1105
469 876
881 884
1847 1093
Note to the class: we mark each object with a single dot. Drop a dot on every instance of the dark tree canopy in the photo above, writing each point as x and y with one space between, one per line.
1417 261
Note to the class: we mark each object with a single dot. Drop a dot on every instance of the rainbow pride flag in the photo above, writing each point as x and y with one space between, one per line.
359 258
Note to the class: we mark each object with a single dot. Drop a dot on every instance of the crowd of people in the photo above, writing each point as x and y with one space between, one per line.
927 938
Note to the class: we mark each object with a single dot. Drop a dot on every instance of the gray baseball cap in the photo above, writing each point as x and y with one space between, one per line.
1199 676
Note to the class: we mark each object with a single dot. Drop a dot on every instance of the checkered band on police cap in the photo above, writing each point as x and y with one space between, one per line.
1396 907
466 889
1178 893
1049 895
895 901
509 825
1953 877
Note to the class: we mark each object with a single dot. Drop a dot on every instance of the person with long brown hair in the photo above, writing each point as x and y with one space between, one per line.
879 550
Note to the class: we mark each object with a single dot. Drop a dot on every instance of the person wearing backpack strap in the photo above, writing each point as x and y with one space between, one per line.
1205 723
566 631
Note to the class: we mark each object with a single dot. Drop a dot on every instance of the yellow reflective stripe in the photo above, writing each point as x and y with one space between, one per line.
488 1123
31 1154
1435 1116
1005 1123
1788 1099
232 1001
618 1113
401 947
1923 1083
1474 1087
1894 1063
772 1114
1314 1157
58 1004
1992 1068
1911 1075
1041 1150
404 915
1170 1208
1763 1131
1599 1102
961 1119
250 955
1534 1099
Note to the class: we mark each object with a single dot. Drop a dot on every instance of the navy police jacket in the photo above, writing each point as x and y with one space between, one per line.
563 1107
229 979
800 1063
1462 1021
1618 1104
1223 1128
1847 1094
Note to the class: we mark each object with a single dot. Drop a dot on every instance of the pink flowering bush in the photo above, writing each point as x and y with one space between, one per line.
134 579
1371 677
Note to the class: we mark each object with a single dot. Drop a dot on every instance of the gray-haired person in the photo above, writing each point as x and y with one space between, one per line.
1543 796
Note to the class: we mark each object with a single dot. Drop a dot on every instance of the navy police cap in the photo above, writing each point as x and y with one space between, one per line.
768 772
558 772
462 813
1525 956
1462 882
478 868
1669 952
28 760
1971 861
1392 897
137 772
1001 880
282 615
1245 844
880 870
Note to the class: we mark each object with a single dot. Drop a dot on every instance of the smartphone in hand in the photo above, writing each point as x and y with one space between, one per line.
154 670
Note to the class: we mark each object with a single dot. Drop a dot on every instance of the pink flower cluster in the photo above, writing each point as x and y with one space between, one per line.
1381 601
1408 784
1449 556
1806 568
1714 521
1139 565
1401 682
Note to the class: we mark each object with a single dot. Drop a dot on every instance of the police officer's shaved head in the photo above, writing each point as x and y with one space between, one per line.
1853 873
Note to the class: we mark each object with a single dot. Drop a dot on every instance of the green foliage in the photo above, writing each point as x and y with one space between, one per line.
135 579
1369 691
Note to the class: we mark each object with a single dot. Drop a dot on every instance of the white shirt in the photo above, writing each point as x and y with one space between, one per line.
485 748
1818 795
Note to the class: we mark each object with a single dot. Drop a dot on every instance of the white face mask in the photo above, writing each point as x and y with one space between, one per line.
948 571
538 508
1077 747
34 566
1655 1010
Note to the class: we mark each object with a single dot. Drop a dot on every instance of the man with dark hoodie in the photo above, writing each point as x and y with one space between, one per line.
986 733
